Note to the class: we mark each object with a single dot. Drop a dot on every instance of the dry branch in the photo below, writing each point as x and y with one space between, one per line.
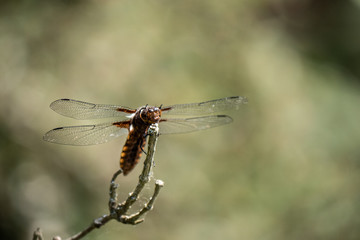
119 211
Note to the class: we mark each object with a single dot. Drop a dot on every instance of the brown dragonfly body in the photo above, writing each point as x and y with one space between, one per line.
137 123
136 138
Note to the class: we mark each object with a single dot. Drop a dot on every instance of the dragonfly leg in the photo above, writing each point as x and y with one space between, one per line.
142 143
142 149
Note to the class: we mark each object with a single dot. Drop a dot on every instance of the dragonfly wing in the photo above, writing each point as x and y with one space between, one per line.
185 125
85 135
207 107
83 110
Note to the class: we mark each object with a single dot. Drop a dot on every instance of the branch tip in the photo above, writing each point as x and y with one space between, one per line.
37 235
159 183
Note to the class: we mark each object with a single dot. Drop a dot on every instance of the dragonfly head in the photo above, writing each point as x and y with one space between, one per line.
150 115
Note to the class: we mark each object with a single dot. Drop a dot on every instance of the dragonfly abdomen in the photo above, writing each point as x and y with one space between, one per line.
131 151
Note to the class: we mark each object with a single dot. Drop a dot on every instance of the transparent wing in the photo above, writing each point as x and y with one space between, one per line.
85 135
83 110
208 107
185 125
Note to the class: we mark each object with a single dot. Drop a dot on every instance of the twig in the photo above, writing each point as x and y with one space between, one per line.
37 234
133 219
144 176
118 211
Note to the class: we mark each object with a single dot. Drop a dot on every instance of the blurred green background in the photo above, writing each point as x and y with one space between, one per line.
288 167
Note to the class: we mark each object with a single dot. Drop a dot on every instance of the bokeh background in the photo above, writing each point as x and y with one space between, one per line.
288 167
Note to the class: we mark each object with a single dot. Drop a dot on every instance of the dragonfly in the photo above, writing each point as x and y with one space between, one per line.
172 119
